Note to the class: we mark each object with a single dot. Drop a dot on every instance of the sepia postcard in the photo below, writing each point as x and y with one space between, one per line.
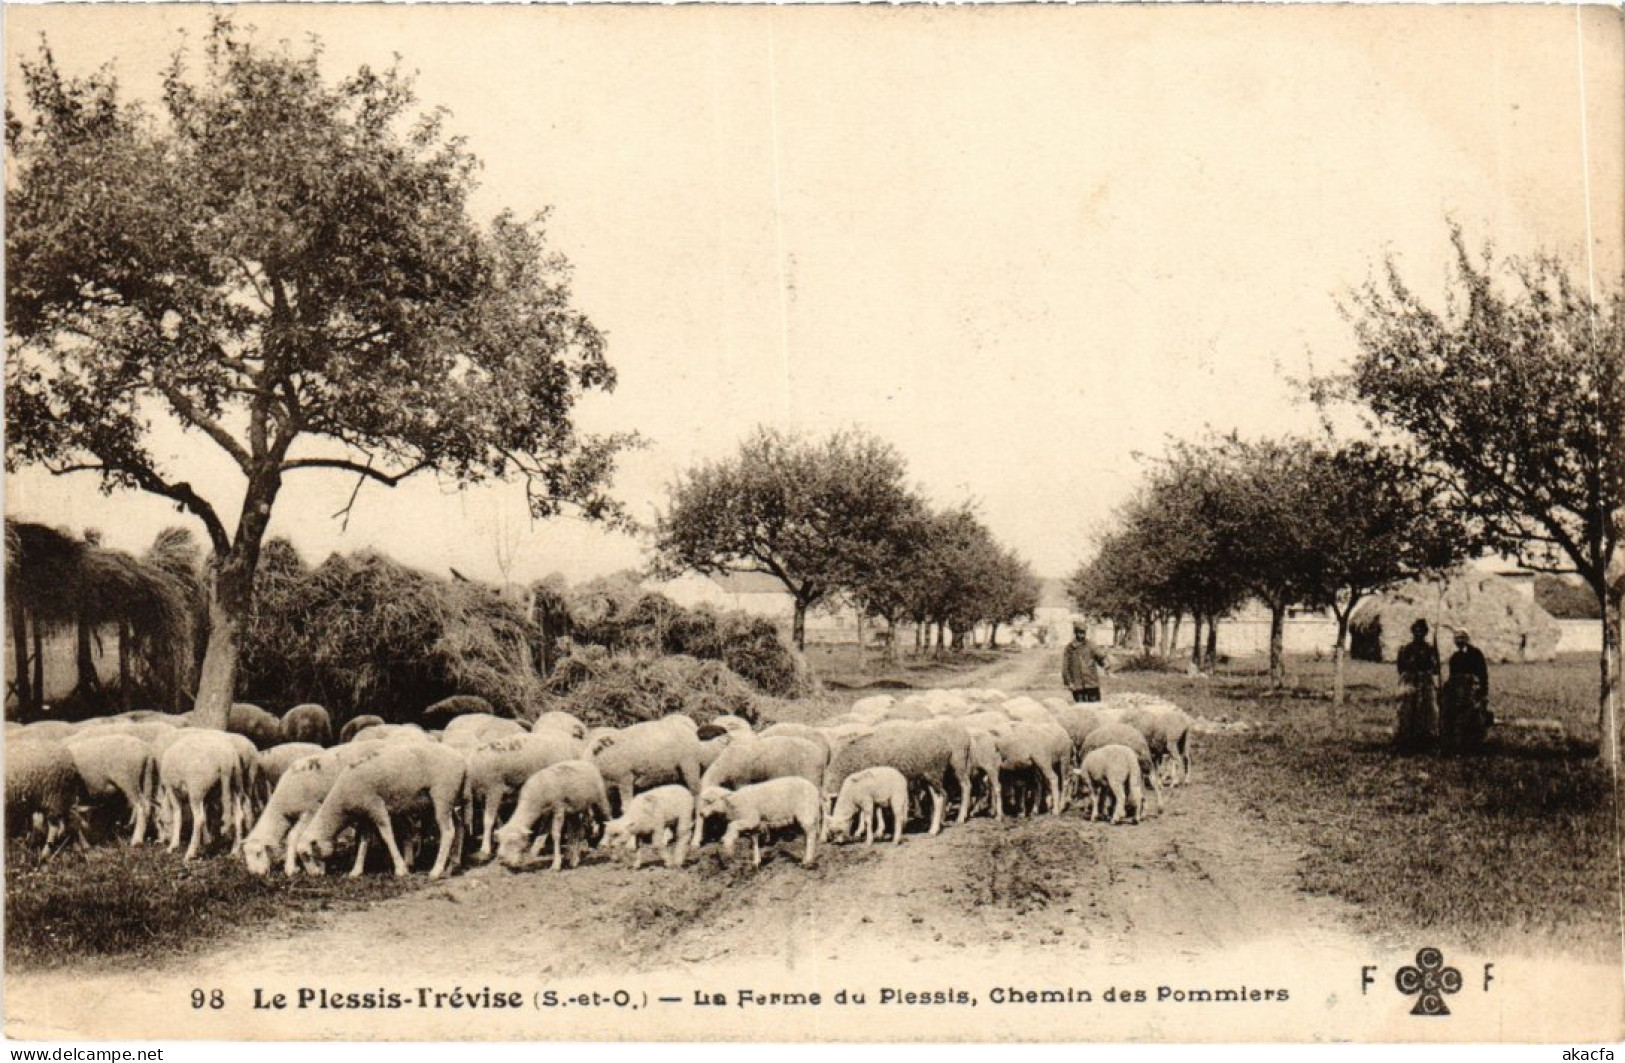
1008 523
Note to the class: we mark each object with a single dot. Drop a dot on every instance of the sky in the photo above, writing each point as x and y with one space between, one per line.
1023 244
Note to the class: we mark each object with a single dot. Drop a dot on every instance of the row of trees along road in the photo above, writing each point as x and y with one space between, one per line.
1495 422
289 269
1289 523
835 520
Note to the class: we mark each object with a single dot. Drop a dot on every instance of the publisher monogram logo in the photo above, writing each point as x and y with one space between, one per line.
1429 980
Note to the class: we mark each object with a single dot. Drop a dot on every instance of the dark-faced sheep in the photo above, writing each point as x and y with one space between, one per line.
254 724
568 792
393 783
308 723
358 724
766 806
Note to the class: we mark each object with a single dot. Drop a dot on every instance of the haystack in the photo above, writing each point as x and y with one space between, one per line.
1505 624
615 689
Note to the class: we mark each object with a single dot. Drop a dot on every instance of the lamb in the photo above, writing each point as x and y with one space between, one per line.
664 815
43 784
199 765
308 723
119 764
358 724
300 791
863 794
760 760
500 768
1112 774
278 759
571 789
1122 734
925 752
562 722
1044 748
391 784
765 806
646 755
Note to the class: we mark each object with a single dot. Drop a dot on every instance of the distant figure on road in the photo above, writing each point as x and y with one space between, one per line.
1464 709
1418 677
1081 663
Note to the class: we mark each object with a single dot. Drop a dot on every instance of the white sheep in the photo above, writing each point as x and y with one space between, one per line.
798 730
926 752
1044 748
562 722
569 790
1122 734
199 765
776 757
1112 775
664 815
500 768
985 758
300 791
473 730
646 755
864 794
279 758
765 806
120 764
392 732
392 783
1168 734
47 730
43 784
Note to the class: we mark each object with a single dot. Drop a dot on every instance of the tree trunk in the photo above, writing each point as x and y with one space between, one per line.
1340 655
124 693
941 627
1212 655
1196 640
891 642
1278 645
1173 637
859 611
993 636
919 638
798 626
88 681
39 671
1148 634
1608 721
230 597
24 687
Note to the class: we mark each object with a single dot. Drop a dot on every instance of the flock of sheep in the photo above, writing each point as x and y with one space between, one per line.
291 789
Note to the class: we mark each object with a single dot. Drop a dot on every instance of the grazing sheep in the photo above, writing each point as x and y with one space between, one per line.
300 791
985 758
1027 710
926 752
664 815
500 768
759 760
737 726
254 724
1168 734
798 730
872 708
1044 748
358 724
391 732
308 723
121 764
43 785
646 755
392 783
766 806
1078 721
907 711
569 790
711 748
562 722
274 762
863 794
471 731
1121 734
48 730
1112 775
201 764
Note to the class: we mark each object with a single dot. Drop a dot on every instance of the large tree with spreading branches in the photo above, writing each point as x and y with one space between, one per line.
288 267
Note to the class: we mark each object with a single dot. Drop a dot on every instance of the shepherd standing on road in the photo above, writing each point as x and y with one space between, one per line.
1081 663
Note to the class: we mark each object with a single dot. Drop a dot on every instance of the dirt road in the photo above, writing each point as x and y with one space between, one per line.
1202 881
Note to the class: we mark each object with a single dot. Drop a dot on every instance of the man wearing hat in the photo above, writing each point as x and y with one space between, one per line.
1081 663
1418 676
1468 663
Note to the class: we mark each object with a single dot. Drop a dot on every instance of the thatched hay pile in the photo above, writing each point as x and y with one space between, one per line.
649 623
1505 624
364 634
607 689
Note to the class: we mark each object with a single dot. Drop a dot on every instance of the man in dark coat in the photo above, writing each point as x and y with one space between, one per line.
1469 689
1418 679
1081 663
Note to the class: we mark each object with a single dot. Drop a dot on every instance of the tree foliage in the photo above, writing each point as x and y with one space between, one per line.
287 267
